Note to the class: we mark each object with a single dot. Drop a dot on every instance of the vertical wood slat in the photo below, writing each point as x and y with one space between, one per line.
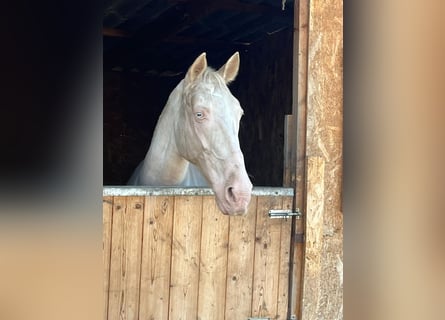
240 264
126 258
213 262
296 268
290 152
185 258
156 257
107 220
116 284
267 259
285 252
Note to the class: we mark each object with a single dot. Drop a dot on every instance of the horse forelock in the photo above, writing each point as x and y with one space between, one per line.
209 80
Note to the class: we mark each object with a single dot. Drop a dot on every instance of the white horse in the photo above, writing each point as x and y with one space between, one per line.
195 142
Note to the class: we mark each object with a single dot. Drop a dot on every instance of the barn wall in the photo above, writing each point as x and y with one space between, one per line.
323 272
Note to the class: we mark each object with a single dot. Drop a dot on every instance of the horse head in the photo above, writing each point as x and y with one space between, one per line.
206 133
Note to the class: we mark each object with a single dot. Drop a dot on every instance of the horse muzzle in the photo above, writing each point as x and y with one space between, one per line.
235 200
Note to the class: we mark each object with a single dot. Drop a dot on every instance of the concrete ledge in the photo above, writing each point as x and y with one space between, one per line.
189 191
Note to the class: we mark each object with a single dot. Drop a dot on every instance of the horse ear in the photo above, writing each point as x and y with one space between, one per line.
230 69
197 68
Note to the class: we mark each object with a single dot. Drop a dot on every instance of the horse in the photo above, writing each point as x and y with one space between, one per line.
195 141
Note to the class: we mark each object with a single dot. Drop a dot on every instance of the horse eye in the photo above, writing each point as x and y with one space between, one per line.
199 115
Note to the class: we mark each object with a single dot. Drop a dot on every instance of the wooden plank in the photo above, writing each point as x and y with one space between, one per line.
240 264
117 284
213 262
107 220
156 257
314 236
296 267
185 257
299 101
290 153
285 251
267 259
126 258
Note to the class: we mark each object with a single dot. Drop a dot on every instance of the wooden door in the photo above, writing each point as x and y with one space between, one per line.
176 256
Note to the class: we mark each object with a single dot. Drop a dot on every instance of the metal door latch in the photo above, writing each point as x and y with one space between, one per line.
285 213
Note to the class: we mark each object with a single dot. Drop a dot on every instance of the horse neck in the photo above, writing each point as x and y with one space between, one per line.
163 165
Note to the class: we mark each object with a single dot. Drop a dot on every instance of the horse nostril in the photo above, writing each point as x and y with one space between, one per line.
230 194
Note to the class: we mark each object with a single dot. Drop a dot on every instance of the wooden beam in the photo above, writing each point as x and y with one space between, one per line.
204 42
112 32
235 6
323 270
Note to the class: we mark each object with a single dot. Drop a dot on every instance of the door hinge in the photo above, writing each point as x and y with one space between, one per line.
285 213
